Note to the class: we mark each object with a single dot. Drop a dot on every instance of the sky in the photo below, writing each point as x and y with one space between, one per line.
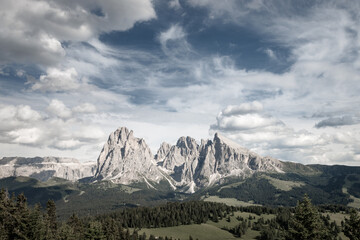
276 76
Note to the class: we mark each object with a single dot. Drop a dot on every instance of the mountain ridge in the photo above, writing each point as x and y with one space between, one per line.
187 166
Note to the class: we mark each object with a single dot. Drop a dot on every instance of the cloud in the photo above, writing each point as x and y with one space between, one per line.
243 108
25 113
249 125
243 122
13 117
173 42
29 136
61 130
57 80
175 32
175 4
271 54
175 83
336 122
33 31
58 108
85 108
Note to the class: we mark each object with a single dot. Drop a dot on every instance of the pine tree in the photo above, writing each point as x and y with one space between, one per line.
36 224
352 226
94 231
306 224
50 220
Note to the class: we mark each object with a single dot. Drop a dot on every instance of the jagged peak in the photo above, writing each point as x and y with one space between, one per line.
218 138
123 133
186 142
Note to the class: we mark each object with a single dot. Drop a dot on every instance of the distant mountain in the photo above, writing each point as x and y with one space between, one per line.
126 159
44 168
128 174
186 166
198 166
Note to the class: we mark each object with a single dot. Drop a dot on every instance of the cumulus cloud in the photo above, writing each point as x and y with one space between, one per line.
57 80
13 117
244 117
322 72
249 125
33 31
58 108
243 108
30 136
84 108
61 130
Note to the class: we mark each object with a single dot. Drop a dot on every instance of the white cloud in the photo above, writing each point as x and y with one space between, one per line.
84 108
67 144
32 31
173 42
271 54
22 125
183 87
58 108
57 80
244 122
29 136
13 117
243 108
175 4
25 113
175 32
266 134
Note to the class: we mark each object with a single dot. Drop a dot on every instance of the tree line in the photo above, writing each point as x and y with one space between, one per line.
305 221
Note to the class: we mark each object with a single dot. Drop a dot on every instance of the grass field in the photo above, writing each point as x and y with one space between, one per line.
283 185
203 231
214 230
208 231
229 201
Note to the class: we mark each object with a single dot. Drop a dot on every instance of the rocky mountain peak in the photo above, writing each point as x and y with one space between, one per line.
163 151
125 159
188 145
121 135
221 140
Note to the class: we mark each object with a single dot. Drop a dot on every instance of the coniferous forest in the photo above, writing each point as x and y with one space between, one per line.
305 221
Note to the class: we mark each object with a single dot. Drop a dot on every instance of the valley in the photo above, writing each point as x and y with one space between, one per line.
218 171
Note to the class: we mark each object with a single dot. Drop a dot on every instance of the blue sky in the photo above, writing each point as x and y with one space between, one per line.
278 77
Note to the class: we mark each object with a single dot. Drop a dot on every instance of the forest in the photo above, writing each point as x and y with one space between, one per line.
305 221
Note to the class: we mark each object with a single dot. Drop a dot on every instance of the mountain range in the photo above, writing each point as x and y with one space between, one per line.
186 166
127 172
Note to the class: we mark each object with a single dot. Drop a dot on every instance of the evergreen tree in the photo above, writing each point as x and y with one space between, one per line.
76 227
50 220
36 224
306 223
94 231
352 226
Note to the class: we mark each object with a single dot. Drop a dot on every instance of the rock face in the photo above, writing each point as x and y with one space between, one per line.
194 166
125 159
46 168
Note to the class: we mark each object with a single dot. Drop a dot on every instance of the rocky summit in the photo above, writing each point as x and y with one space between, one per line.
186 165
125 159
44 168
